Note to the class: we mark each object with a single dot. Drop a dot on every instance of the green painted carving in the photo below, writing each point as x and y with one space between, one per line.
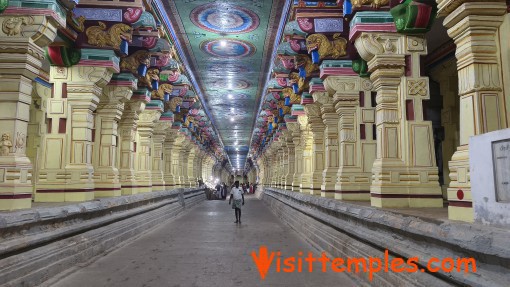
360 67
414 16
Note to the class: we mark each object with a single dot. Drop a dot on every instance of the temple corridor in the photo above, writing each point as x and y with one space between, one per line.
375 133
204 247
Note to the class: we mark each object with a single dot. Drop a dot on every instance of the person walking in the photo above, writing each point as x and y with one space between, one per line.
237 195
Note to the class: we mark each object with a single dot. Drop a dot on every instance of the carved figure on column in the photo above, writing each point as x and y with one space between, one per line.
327 49
5 145
102 37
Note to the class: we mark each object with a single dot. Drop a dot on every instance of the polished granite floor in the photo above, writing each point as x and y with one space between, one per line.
204 247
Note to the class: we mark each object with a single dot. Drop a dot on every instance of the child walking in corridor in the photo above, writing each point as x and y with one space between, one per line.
237 195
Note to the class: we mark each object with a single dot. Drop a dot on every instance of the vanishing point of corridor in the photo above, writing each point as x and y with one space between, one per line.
204 247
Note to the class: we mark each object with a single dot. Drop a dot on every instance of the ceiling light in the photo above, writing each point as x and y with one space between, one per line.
223 43
230 96
231 119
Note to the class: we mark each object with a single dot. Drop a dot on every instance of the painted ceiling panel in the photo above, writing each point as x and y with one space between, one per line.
229 45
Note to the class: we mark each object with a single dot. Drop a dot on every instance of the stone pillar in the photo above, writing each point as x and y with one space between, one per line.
146 124
37 126
190 180
356 154
473 27
66 172
128 143
298 154
183 163
169 153
22 38
291 161
405 172
108 115
330 120
317 130
306 143
158 138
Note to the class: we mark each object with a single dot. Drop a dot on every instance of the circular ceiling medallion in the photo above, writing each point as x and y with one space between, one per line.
226 84
228 48
224 18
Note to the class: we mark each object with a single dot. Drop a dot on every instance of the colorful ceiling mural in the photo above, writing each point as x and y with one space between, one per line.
229 46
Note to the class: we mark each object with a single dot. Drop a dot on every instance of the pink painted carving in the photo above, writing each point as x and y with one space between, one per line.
132 15
282 81
305 24
149 42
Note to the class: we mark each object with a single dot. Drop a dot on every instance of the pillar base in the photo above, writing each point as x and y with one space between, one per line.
159 186
15 201
66 195
461 213
405 196
354 195
129 190
15 182
327 194
107 190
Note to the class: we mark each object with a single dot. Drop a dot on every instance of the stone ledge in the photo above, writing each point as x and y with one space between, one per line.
403 235
34 258
21 230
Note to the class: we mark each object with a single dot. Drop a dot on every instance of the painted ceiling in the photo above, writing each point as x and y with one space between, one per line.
228 46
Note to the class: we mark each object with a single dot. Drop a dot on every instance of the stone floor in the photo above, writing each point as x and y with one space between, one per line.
205 247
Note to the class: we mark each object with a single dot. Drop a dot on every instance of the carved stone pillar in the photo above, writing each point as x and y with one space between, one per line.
317 129
144 151
357 153
168 151
298 154
473 27
67 172
405 172
291 161
22 39
330 120
128 143
183 163
158 138
190 180
306 145
108 115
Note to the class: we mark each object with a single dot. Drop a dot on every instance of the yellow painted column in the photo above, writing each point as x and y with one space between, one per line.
37 127
128 143
108 115
22 39
474 27
190 180
145 132
158 139
295 137
66 172
356 146
291 160
183 163
405 172
169 154
306 145
317 131
330 120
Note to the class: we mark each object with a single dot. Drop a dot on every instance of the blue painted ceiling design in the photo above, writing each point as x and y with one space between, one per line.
229 46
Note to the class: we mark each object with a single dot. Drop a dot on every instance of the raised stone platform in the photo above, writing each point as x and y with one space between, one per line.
40 243
347 230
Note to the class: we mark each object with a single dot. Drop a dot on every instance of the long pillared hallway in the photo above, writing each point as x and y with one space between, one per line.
371 139
204 247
